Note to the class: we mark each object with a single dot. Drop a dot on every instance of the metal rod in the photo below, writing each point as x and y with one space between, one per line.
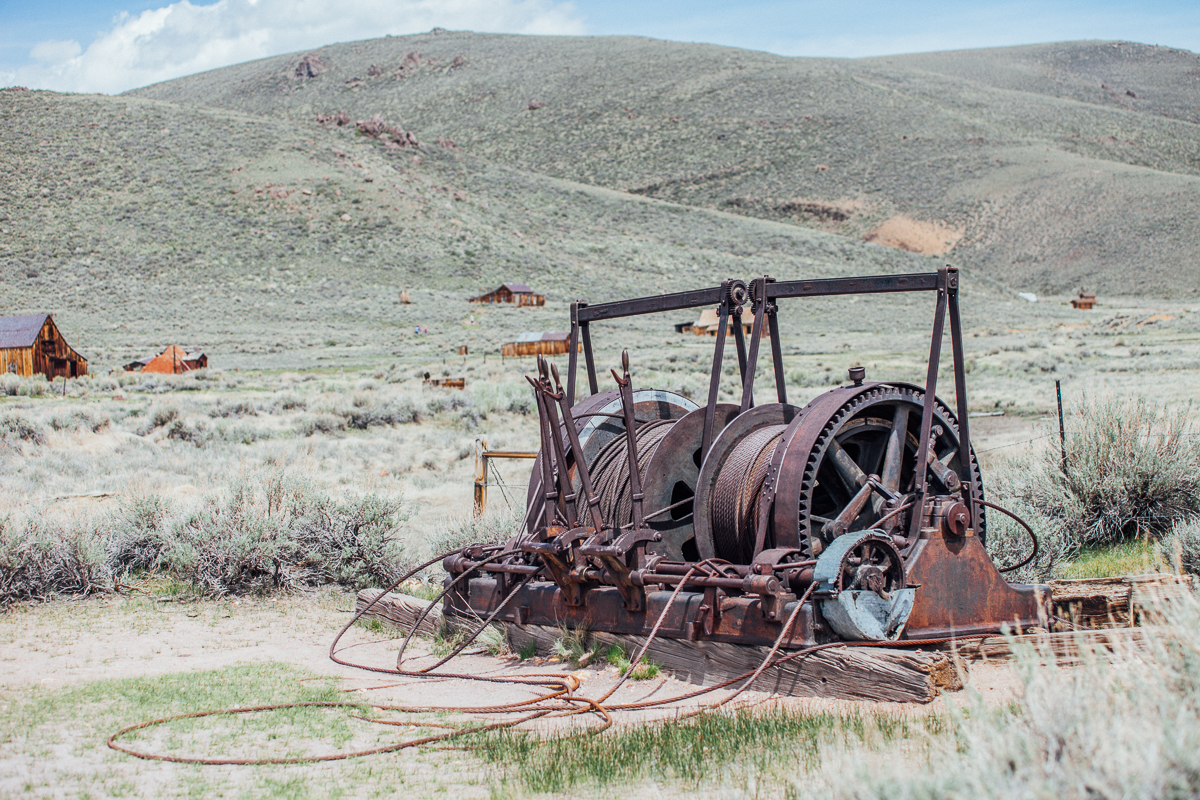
1062 431
825 287
756 310
581 465
573 355
739 338
920 481
960 390
714 383
650 305
589 357
772 311
635 475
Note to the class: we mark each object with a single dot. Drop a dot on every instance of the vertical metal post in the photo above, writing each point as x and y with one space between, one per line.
739 337
960 393
573 355
714 383
1062 431
481 472
772 311
757 304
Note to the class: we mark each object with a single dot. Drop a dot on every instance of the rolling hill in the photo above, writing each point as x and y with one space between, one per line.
1044 167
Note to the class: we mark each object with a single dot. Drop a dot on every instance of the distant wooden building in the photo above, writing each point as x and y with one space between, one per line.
32 345
709 322
172 361
518 294
532 344
1085 300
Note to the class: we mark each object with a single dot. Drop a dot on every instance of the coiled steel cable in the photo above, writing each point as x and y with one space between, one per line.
610 470
736 494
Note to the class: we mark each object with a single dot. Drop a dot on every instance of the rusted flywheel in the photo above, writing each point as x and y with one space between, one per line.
808 467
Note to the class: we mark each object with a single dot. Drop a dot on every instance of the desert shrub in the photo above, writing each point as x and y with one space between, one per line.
39 560
240 433
195 432
1102 729
1181 546
399 411
80 420
237 410
157 417
16 427
508 397
9 383
137 533
321 423
1009 543
497 526
1132 468
276 531
289 401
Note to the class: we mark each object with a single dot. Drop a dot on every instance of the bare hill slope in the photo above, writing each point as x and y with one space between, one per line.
284 243
997 159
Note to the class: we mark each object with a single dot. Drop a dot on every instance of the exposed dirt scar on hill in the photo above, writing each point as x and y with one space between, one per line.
916 236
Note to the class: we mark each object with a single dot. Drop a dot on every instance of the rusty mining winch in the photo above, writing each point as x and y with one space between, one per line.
859 517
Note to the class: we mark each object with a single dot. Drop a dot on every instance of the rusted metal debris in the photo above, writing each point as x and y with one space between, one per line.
857 517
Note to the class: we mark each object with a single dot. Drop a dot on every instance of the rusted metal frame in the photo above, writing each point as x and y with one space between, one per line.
573 353
757 303
874 284
589 357
920 480
714 382
960 391
678 301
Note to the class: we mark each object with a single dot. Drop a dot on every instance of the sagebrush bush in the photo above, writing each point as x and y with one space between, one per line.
39 560
80 420
399 411
17 427
497 526
1132 469
279 532
1128 728
508 396
1180 547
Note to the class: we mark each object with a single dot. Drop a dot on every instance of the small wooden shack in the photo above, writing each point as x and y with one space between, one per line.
1085 300
710 321
32 345
518 294
550 343
172 361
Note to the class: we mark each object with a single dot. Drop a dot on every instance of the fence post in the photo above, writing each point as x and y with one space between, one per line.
1062 432
481 471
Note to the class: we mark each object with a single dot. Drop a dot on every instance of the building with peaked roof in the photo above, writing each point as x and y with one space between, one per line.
32 345
172 361
518 294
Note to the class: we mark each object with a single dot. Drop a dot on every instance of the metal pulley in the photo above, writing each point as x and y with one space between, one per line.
861 587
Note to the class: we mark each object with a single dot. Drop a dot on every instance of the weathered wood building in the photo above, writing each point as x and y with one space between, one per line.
32 345
549 343
172 361
709 322
517 294
1085 300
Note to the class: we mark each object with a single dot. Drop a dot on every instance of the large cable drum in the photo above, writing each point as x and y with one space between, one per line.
802 468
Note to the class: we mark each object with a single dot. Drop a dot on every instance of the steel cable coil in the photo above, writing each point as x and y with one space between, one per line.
736 493
610 471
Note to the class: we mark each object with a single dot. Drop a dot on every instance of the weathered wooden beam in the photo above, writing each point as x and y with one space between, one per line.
1066 648
402 611
850 673
1116 602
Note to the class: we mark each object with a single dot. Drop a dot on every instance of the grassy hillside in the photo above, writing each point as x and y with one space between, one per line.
1007 160
283 243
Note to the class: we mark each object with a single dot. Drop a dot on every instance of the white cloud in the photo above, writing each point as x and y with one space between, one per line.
182 39
53 51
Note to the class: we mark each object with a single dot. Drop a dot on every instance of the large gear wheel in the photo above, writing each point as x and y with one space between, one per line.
850 433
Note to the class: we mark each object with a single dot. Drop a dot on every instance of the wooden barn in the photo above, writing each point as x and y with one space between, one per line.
517 294
1085 300
172 361
532 344
710 322
32 345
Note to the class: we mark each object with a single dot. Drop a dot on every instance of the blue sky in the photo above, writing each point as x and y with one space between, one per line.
113 45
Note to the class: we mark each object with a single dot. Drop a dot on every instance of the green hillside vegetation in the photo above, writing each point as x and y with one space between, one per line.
1045 167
